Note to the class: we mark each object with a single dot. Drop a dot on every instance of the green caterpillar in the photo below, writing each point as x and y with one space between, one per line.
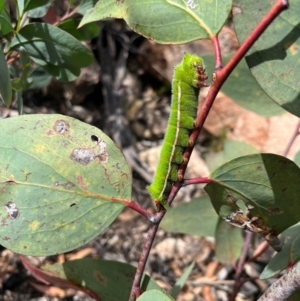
189 76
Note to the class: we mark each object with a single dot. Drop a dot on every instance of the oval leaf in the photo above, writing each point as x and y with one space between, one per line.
61 183
274 59
195 218
229 242
267 184
166 21
155 295
101 276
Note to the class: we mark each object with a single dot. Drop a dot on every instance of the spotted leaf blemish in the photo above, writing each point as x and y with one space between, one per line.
83 155
191 4
81 183
34 225
102 154
12 210
62 127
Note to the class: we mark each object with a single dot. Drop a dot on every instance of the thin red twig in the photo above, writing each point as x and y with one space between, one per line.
136 291
217 53
261 249
136 207
238 283
204 180
292 140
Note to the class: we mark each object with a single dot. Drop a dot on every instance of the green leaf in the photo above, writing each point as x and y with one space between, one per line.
86 32
297 159
19 102
232 150
40 11
289 255
275 58
25 62
267 184
21 5
155 295
165 21
61 183
85 5
39 79
229 242
21 83
101 276
244 90
182 280
17 84
61 73
5 24
53 48
5 83
2 5
33 4
195 218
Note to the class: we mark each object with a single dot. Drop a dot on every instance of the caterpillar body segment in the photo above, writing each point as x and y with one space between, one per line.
188 77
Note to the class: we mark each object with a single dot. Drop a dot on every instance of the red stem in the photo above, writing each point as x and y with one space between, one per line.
238 283
292 140
136 207
204 180
136 291
261 249
217 53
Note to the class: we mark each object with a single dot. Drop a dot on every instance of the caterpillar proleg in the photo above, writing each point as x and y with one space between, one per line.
188 77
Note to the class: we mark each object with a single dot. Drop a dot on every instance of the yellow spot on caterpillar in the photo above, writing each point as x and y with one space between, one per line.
34 225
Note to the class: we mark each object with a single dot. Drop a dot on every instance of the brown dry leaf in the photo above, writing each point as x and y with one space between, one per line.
53 291
82 253
210 272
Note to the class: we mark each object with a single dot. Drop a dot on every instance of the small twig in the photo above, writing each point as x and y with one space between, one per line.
136 207
238 283
136 291
217 53
204 180
284 287
68 15
209 273
292 140
243 256
261 249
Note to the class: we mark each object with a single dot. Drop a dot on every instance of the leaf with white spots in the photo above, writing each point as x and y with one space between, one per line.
62 183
